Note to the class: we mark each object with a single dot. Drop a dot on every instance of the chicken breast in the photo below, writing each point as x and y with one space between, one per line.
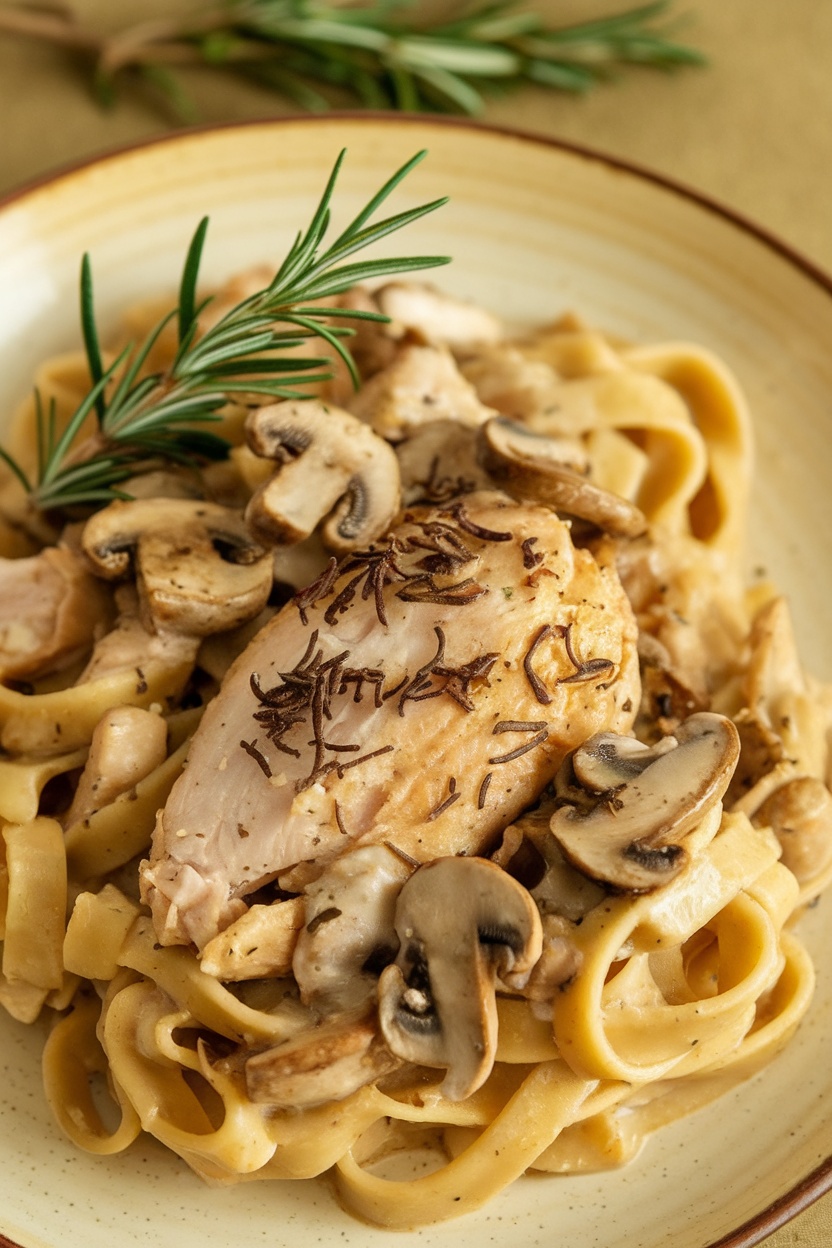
51 610
421 693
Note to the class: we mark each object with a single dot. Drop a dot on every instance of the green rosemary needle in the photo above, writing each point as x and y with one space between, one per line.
379 55
145 417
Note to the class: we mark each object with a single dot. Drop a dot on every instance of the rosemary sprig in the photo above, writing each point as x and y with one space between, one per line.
373 54
146 417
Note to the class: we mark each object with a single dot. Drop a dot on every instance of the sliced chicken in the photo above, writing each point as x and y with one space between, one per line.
421 384
419 694
51 610
438 317
128 644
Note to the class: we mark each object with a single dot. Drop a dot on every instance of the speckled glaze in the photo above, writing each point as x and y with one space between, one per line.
534 229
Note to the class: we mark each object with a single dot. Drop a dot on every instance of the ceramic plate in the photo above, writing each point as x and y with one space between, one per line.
534 229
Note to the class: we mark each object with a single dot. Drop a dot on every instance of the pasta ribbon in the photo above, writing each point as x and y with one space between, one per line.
51 723
549 1098
36 908
72 1057
600 995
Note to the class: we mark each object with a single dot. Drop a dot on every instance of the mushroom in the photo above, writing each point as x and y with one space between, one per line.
562 894
761 750
531 855
625 806
197 569
559 962
462 923
550 470
349 934
672 685
331 467
321 1064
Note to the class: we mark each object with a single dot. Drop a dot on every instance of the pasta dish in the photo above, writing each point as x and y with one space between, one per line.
421 778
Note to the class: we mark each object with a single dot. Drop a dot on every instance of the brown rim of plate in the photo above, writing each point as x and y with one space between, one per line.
713 206
819 1181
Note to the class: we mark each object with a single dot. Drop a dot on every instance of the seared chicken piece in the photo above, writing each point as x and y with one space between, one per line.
421 694
51 610
437 317
421 384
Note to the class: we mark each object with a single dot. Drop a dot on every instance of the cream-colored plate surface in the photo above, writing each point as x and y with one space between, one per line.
533 230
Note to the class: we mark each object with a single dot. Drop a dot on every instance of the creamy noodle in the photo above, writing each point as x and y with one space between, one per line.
641 1002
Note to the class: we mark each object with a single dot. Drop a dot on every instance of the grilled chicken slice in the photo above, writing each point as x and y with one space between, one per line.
420 694
51 611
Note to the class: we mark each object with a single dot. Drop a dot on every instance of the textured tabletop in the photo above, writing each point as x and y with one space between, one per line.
752 131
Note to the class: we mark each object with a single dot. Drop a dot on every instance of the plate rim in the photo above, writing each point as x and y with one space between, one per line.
765 235
818 1182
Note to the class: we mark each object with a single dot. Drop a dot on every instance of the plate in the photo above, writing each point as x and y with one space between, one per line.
535 229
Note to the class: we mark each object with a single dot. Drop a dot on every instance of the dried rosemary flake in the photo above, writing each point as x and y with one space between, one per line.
250 747
521 749
539 690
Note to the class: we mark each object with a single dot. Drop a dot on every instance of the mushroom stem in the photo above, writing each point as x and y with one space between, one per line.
462 923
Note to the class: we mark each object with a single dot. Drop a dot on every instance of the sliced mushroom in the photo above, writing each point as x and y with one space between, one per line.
349 933
332 467
462 923
530 854
627 806
549 470
559 961
197 569
326 1063
562 894
761 750
671 689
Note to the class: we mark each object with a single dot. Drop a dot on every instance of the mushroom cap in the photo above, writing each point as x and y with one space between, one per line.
197 568
627 807
461 923
532 465
331 467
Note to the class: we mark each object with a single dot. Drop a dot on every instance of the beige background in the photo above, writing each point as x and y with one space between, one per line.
753 131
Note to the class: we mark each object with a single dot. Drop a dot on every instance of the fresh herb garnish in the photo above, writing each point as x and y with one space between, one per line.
146 417
313 53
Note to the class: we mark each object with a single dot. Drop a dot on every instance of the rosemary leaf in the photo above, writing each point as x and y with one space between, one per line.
382 54
187 311
146 418
89 332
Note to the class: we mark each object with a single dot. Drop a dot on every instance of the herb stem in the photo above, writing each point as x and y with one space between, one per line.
145 418
372 51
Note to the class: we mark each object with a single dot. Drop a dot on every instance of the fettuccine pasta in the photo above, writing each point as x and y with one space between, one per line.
512 936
